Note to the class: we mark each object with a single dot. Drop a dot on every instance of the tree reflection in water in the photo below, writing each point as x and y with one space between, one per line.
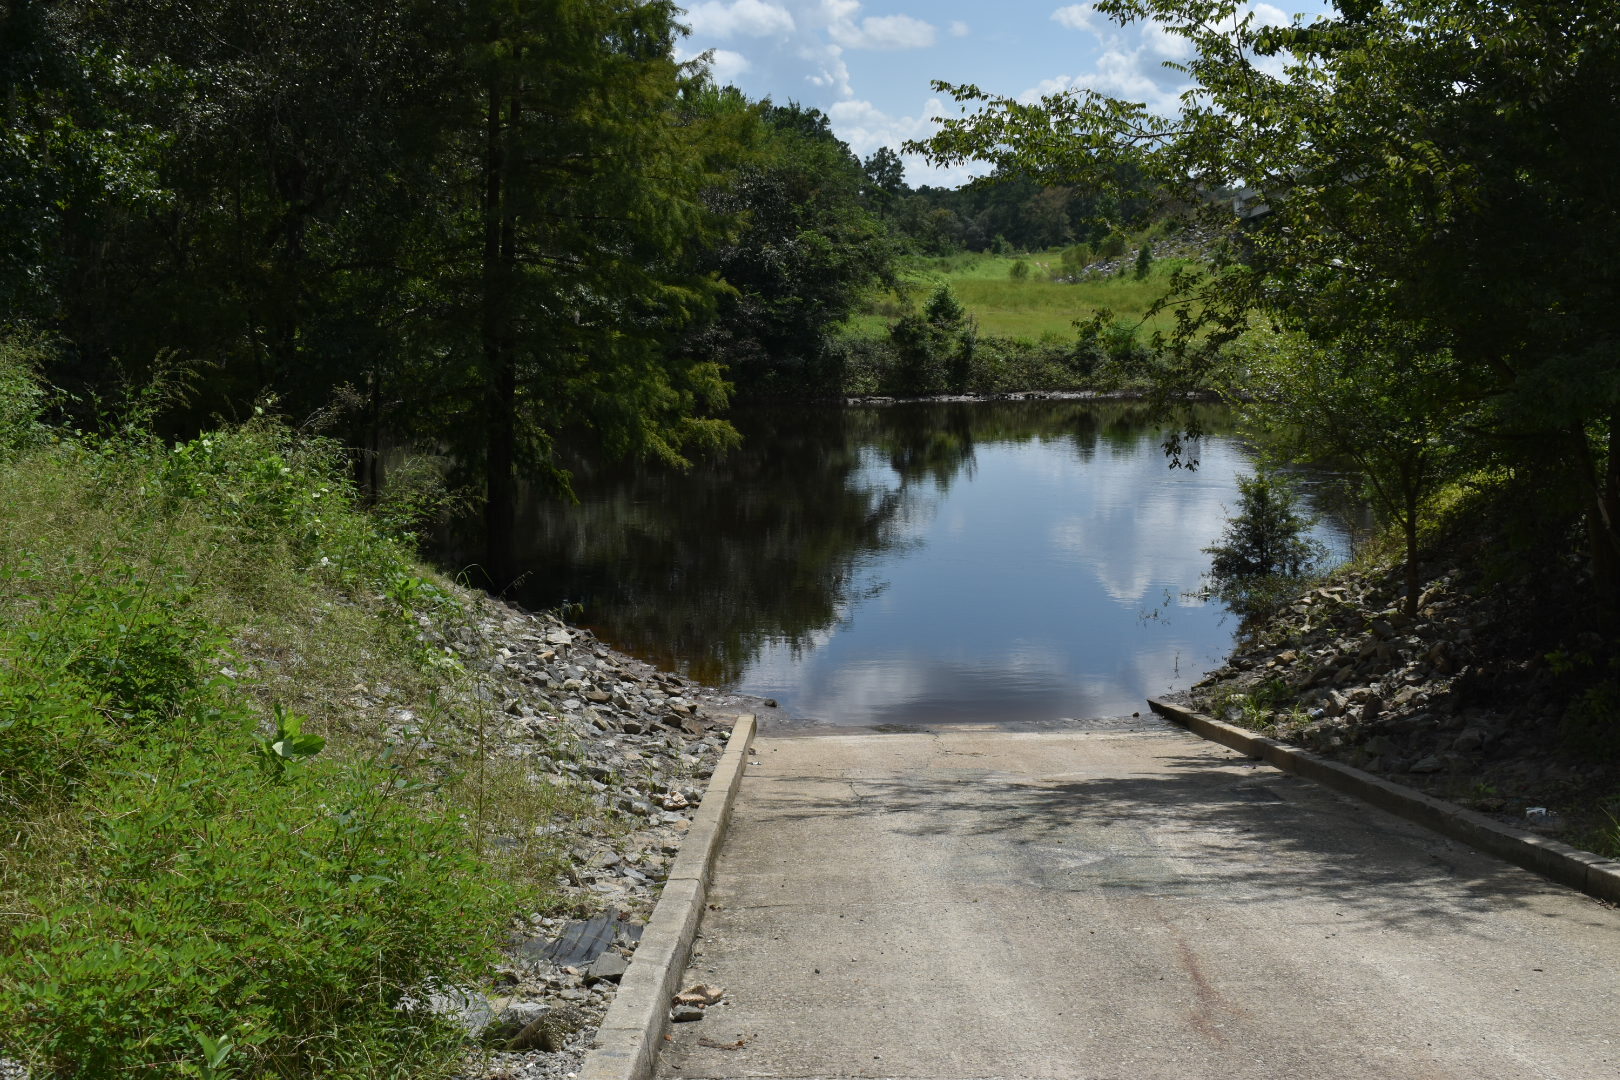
698 570
920 562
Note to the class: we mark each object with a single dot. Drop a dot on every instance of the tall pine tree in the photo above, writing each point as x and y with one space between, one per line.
578 209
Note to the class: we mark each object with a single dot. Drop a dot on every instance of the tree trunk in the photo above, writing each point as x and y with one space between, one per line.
1603 514
500 370
1412 583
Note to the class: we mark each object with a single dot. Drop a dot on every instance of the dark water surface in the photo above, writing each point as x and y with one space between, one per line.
1017 561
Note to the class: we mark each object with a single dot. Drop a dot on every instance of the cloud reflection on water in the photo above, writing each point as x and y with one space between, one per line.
912 564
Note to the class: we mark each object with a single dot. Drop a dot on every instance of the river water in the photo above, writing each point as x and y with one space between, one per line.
1007 562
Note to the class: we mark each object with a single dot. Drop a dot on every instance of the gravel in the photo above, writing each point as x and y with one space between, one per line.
642 744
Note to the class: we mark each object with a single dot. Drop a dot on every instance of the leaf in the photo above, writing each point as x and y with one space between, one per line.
299 746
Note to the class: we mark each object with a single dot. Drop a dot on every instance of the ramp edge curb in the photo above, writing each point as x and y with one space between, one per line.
1592 874
627 1044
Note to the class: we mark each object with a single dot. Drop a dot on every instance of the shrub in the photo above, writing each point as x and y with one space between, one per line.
21 396
1590 727
106 663
934 350
291 909
990 366
1076 258
1144 260
1265 552
293 914
264 486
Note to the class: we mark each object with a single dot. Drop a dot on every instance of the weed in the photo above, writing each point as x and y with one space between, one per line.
21 395
1590 727
1258 708
210 872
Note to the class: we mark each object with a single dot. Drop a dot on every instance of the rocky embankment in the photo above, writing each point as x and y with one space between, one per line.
635 744
1466 700
1192 242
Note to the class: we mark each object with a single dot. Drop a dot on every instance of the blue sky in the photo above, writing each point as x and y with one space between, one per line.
867 63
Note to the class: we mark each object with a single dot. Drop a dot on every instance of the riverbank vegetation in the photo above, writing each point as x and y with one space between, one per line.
281 800
1495 694
1434 274
212 867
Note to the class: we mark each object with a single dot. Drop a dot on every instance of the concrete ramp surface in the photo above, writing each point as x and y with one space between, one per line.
1123 906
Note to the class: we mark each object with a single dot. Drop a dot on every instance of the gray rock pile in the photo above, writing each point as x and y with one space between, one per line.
638 743
1437 701
1192 242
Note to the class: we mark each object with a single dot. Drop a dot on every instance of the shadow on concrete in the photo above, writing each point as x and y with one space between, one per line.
1222 828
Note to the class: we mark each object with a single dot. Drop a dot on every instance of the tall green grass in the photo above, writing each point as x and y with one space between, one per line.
215 864
1033 309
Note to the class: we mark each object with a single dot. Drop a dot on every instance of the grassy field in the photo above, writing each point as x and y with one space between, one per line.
1033 309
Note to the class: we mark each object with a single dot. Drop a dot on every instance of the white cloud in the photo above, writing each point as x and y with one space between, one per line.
725 65
1159 41
828 70
865 127
1266 15
740 18
1077 17
884 32
1048 87
1132 63
960 29
1133 75
1139 75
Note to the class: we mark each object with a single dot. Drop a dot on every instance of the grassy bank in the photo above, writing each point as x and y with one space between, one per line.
995 324
217 865
1030 307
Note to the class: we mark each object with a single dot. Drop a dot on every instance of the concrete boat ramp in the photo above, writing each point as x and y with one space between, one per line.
1121 904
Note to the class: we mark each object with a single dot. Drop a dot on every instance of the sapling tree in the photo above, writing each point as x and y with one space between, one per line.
1266 549
936 348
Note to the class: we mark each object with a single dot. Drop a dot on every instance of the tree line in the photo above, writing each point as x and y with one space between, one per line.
1008 210
490 227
